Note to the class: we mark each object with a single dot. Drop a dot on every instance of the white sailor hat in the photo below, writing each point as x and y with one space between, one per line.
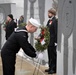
34 22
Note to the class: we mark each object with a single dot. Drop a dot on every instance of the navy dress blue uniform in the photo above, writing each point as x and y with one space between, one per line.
18 39
52 25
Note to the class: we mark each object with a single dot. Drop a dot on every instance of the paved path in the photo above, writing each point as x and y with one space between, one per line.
26 67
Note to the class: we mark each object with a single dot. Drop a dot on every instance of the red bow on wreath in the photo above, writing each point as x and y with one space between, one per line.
42 34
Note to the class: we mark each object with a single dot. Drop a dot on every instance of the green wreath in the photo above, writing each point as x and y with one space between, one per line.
39 47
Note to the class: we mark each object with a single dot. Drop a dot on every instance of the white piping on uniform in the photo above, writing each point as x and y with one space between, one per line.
20 30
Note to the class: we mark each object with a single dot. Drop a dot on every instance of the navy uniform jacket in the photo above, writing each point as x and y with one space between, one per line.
52 25
18 39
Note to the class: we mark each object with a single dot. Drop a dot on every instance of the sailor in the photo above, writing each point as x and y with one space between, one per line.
17 40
